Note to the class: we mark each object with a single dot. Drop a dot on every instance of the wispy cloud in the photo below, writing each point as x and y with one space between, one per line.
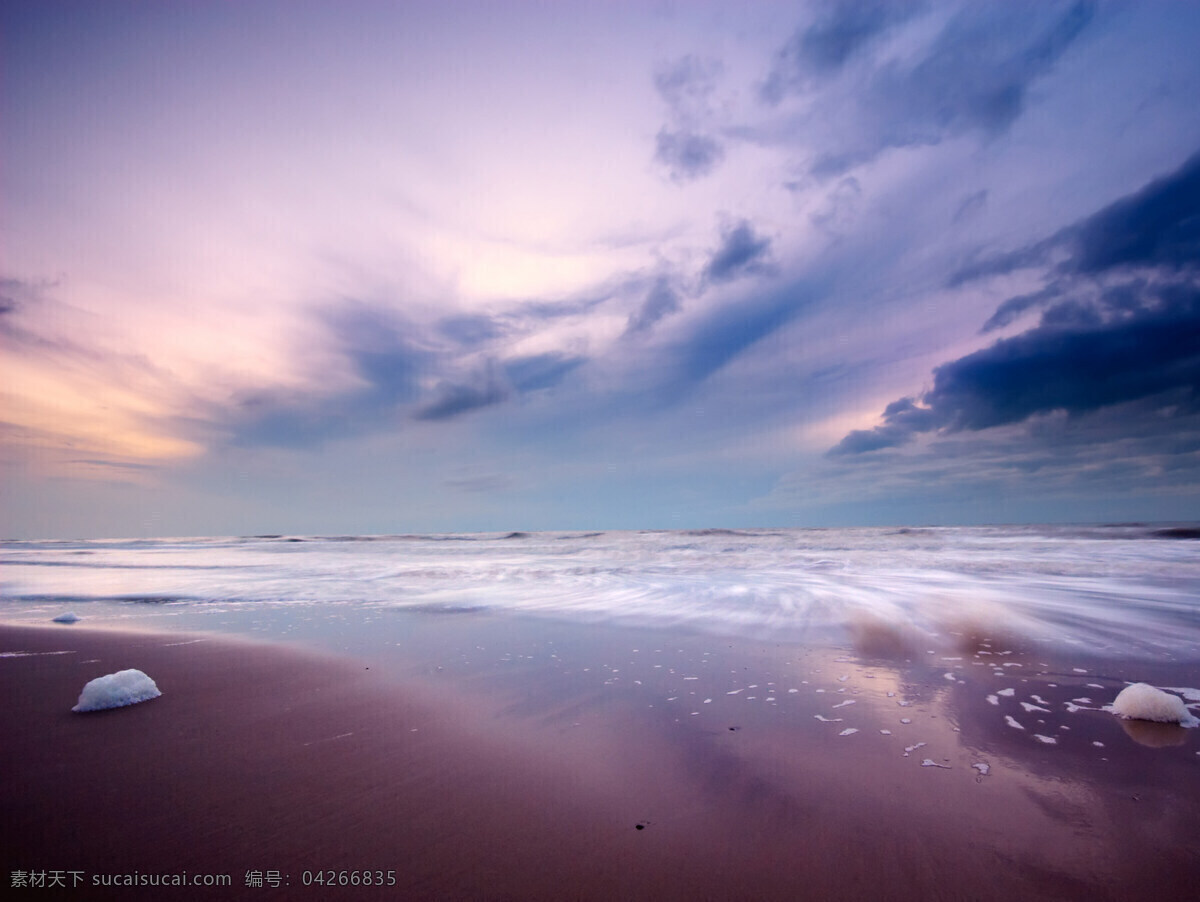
662 300
742 252
973 77
687 145
841 31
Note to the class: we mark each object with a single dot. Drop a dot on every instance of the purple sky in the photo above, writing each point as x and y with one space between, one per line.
315 267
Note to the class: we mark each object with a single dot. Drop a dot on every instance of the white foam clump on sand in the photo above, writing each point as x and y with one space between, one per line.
116 690
68 617
1142 701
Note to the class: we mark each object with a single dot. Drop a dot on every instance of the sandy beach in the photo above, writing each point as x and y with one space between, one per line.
265 760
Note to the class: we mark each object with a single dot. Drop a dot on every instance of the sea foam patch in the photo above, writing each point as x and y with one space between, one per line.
116 690
1141 701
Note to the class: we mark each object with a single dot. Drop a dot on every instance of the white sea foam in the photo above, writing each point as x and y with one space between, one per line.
1142 701
116 690
1191 696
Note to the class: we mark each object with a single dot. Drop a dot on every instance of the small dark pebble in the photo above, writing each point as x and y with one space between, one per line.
639 826
735 728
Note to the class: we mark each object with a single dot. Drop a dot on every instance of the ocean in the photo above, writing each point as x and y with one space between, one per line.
1120 591
657 714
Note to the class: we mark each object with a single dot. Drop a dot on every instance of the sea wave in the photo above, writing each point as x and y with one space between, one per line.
1114 590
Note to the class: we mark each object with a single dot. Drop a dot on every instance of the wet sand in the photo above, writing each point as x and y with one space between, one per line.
588 778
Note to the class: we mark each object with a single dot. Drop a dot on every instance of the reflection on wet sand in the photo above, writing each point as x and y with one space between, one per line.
1154 735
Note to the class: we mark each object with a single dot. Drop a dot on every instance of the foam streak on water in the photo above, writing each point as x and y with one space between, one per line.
1123 591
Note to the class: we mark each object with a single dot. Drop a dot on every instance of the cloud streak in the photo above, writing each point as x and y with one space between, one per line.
973 77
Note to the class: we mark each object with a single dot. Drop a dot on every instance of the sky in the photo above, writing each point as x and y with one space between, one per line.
365 267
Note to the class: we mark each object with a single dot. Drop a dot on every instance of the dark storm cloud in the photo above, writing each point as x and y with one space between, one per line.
1014 307
1139 341
1013 473
841 31
742 252
1158 226
1027 257
1120 323
1072 363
